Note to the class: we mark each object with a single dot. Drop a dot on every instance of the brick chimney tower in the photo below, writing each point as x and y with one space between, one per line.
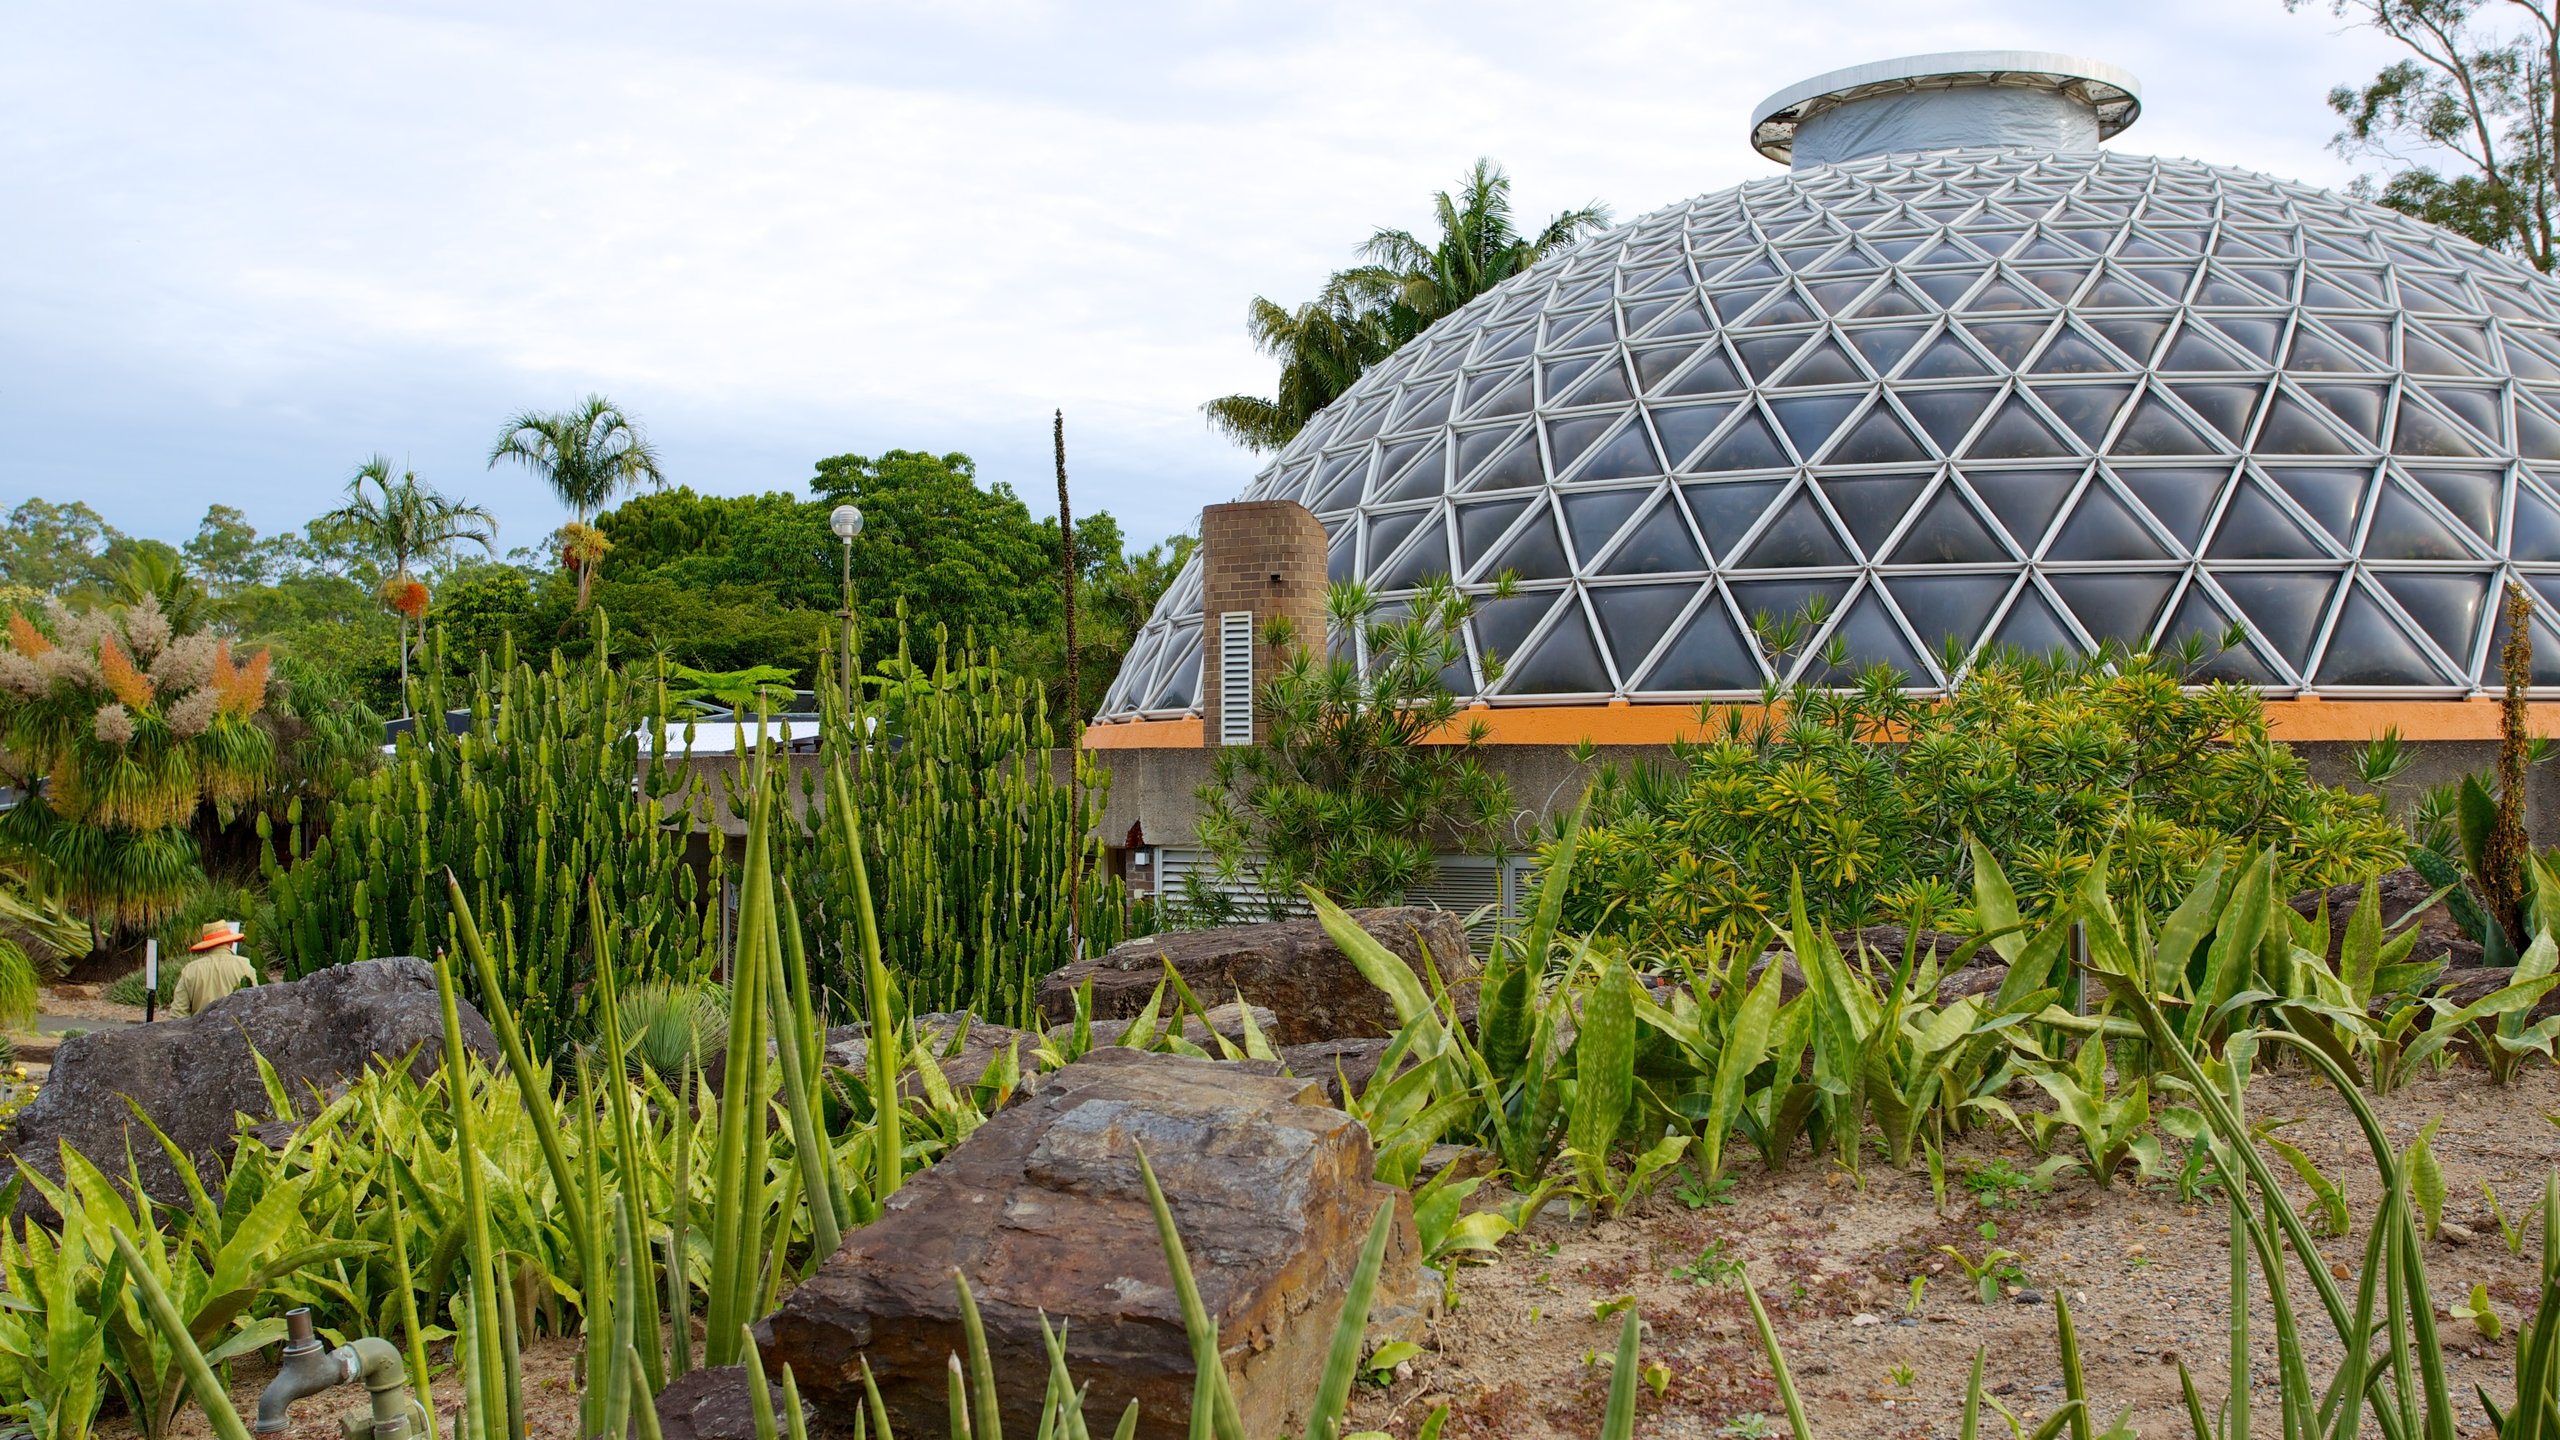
1259 560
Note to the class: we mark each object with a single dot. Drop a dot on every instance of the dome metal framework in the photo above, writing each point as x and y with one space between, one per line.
1993 397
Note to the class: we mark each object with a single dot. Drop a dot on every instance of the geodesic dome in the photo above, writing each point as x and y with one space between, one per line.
2001 395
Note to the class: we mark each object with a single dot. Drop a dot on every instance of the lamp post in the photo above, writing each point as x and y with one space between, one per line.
846 521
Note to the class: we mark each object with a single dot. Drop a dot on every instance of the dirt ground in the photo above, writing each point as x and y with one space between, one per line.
1523 1357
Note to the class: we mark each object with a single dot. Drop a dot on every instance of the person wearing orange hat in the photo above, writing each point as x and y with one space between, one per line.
217 969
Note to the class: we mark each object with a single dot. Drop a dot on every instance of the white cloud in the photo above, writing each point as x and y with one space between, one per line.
256 243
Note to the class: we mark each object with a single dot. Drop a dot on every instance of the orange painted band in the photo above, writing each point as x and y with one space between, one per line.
2305 719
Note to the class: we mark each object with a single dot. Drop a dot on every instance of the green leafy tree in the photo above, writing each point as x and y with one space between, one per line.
958 555
1365 773
480 605
55 548
2469 91
227 553
587 456
1365 314
155 569
406 524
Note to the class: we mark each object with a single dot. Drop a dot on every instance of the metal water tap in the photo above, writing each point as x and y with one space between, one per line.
309 1369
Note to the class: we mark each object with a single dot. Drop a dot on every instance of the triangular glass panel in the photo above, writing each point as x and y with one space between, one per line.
2546 644
2156 429
1797 538
1880 438
1606 383
1871 505
2228 408
1562 662
1867 637
1809 420
1709 654
1884 345
1416 469
2255 527
1508 393
2448 607
2421 430
1686 318
1501 624
2073 353
2024 501
1499 460
2136 335
1655 362
1712 375
2032 627
1341 558
2537 434
1945 358
1387 534
2403 529
1785 310
2102 527
1729 304
1941 607
1568 439
2015 432
1999 294
2009 341
1749 445
1481 525
1595 517
2316 354
2194 350
1891 300
2527 362
1822 363
2294 428
2474 496
1682 427
2116 607
1765 355
2421 354
2536 539
1601 329
1948 252
1338 484
2285 606
1833 296
1657 544
2059 283
2202 616
1425 558
1509 344
1623 456
1633 618
1536 552
1944 288
1949 533
2259 337
2332 496
2087 409
1724 512
2366 648
2180 497
1422 408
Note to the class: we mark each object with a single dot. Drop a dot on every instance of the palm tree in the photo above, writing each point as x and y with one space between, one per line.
1322 346
1366 313
587 456
406 523
1478 248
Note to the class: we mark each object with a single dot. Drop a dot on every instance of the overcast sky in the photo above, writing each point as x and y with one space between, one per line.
244 245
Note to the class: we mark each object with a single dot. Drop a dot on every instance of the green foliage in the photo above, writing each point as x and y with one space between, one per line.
1867 795
956 555
551 786
1365 772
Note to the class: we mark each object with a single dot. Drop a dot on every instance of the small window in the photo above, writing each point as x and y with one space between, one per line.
1235 677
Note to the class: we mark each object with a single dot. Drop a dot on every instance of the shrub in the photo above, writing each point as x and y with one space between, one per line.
1870 793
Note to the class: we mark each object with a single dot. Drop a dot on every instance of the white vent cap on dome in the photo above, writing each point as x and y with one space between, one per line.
2032 99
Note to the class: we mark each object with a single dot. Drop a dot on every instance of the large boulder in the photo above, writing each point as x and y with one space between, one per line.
1290 967
195 1077
1042 1209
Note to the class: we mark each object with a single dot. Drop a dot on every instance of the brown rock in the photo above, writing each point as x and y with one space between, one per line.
714 1404
2401 891
1331 1063
1290 967
1226 1020
1043 1210
962 1046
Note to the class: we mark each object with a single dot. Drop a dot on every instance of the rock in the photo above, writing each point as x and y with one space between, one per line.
195 1076
1332 1063
1889 941
1290 966
2401 891
1042 1209
848 1047
714 1404
1979 979
2028 1297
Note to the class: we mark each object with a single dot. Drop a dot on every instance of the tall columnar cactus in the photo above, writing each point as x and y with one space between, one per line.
548 786
970 834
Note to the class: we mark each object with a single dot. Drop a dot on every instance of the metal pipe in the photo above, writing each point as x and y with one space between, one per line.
308 1370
